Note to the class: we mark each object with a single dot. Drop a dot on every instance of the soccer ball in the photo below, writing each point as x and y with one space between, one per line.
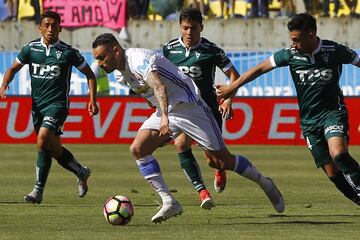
118 210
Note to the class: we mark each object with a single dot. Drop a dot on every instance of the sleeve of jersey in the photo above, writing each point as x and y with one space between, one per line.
149 64
78 60
165 51
280 58
23 56
222 61
346 55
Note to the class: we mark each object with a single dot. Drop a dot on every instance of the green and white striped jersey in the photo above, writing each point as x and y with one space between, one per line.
199 62
316 78
50 71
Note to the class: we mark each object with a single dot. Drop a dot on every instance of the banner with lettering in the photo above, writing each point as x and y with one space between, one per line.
81 13
256 121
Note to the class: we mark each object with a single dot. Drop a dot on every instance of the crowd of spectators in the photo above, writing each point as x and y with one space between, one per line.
169 9
257 9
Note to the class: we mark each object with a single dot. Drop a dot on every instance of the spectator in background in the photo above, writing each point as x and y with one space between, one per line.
326 4
352 4
12 9
138 9
308 6
198 4
36 6
287 8
222 7
259 8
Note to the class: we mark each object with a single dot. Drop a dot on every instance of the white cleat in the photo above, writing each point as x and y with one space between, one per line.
167 211
33 197
82 181
275 197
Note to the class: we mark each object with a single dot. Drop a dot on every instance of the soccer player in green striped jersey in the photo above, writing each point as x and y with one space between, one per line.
50 61
198 58
315 65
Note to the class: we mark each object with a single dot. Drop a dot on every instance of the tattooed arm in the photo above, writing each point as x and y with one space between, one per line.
159 88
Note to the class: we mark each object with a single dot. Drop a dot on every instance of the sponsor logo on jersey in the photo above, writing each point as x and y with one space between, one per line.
334 129
192 71
197 54
176 51
36 49
42 69
314 76
328 49
301 58
50 121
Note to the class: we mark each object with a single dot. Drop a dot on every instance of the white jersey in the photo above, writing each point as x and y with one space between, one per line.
140 62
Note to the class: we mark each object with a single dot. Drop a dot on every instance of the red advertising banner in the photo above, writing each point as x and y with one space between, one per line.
80 13
256 121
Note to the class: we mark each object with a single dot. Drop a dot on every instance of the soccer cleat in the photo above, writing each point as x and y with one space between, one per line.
205 199
33 197
82 181
275 197
220 180
167 211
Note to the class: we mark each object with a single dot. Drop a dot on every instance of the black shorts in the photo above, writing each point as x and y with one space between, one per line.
51 118
335 124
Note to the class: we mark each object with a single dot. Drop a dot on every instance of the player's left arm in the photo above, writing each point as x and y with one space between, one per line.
161 96
90 76
225 106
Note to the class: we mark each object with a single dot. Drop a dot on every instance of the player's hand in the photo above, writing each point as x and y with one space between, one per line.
222 91
3 90
164 126
93 108
226 110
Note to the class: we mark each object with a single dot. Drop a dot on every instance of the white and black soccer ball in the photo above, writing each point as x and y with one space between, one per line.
118 210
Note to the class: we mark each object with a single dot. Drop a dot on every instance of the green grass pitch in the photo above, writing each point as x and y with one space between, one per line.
314 208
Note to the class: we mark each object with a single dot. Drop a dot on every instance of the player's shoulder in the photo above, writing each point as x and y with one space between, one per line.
65 47
209 46
172 44
328 45
34 43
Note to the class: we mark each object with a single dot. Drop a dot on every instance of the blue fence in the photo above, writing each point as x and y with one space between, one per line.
275 83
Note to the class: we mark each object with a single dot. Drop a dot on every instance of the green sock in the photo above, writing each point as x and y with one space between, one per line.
67 161
43 165
348 166
191 169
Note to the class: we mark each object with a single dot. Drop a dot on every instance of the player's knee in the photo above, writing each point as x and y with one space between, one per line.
136 150
41 144
182 145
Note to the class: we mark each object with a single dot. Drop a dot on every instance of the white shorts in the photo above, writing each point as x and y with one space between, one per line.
195 120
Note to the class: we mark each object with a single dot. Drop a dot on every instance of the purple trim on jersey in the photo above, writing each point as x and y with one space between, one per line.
241 163
214 124
172 77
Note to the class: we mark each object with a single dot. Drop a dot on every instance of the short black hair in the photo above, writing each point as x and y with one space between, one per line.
302 22
191 14
105 38
51 14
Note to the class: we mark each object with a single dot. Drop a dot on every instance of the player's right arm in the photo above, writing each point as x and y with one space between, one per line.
160 93
8 77
225 91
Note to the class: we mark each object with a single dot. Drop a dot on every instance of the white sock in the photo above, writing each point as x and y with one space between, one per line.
253 174
158 183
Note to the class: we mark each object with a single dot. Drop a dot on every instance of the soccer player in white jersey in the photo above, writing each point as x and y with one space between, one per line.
179 108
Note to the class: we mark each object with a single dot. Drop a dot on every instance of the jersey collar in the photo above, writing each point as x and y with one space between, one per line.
317 50
187 50
49 47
